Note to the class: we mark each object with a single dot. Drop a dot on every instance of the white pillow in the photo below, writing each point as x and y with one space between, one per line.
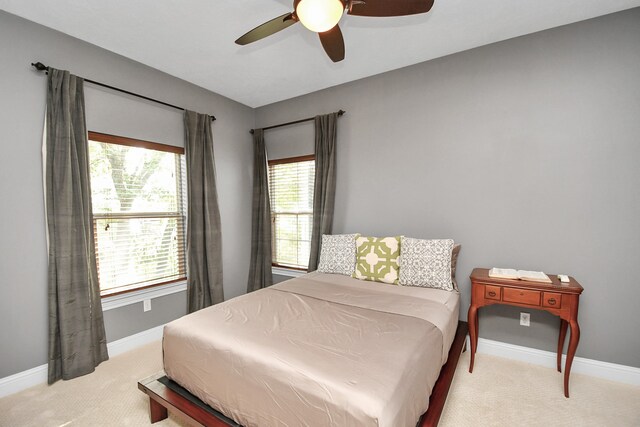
338 254
426 263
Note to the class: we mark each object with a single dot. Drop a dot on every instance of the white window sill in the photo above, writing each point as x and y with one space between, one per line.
115 301
287 272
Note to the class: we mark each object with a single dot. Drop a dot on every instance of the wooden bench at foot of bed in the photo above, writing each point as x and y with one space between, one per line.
166 395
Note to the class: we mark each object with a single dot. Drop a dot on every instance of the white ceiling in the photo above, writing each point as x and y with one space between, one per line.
194 39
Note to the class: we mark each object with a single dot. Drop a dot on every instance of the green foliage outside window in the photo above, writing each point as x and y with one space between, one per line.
138 208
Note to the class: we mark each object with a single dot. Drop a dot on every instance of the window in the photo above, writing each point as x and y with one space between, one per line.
291 191
138 197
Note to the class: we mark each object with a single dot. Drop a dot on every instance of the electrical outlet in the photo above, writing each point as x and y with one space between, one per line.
147 305
525 319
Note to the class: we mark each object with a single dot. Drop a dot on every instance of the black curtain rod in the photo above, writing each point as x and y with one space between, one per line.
308 119
41 67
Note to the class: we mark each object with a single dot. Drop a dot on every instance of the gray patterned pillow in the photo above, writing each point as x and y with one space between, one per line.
426 263
338 254
454 262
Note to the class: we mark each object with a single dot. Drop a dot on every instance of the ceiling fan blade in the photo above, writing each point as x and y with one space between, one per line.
380 8
268 28
333 43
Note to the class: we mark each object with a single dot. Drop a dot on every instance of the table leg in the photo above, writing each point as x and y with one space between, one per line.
573 345
563 333
472 317
477 325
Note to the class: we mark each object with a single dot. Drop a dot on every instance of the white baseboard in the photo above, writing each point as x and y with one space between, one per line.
23 380
594 368
38 375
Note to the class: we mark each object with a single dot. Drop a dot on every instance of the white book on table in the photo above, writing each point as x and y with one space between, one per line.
510 273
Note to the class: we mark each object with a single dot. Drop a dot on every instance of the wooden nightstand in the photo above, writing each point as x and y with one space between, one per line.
556 298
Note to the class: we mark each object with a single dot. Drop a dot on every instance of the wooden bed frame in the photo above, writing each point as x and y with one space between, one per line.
166 395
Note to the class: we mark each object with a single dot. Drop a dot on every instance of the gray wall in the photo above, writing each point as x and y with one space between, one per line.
277 278
23 264
525 151
131 319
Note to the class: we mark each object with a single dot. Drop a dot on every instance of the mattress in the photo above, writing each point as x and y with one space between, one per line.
318 350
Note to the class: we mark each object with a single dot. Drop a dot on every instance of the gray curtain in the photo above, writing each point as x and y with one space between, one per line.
325 183
77 342
204 238
260 268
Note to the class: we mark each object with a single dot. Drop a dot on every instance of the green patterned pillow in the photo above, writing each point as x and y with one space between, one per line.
377 259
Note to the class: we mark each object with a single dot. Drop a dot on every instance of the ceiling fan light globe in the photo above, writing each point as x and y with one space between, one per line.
319 15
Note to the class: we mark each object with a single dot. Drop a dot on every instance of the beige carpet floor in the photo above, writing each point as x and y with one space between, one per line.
500 392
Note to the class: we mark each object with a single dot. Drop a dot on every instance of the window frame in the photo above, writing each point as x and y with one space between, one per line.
282 161
139 143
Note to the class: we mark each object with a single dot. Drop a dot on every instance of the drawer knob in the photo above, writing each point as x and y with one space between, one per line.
492 294
552 301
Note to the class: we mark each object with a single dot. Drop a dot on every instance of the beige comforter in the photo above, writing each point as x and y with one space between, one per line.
319 350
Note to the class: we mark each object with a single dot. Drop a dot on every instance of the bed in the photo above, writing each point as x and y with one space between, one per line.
317 350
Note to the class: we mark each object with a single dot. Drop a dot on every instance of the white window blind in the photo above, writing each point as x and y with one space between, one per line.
138 199
291 194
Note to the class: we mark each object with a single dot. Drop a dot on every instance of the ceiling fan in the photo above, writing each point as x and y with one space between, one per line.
322 17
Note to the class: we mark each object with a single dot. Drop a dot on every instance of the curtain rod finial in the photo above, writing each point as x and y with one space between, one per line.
39 66
252 131
341 112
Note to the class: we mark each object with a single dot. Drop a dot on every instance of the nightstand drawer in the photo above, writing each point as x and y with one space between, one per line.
521 296
492 292
551 299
